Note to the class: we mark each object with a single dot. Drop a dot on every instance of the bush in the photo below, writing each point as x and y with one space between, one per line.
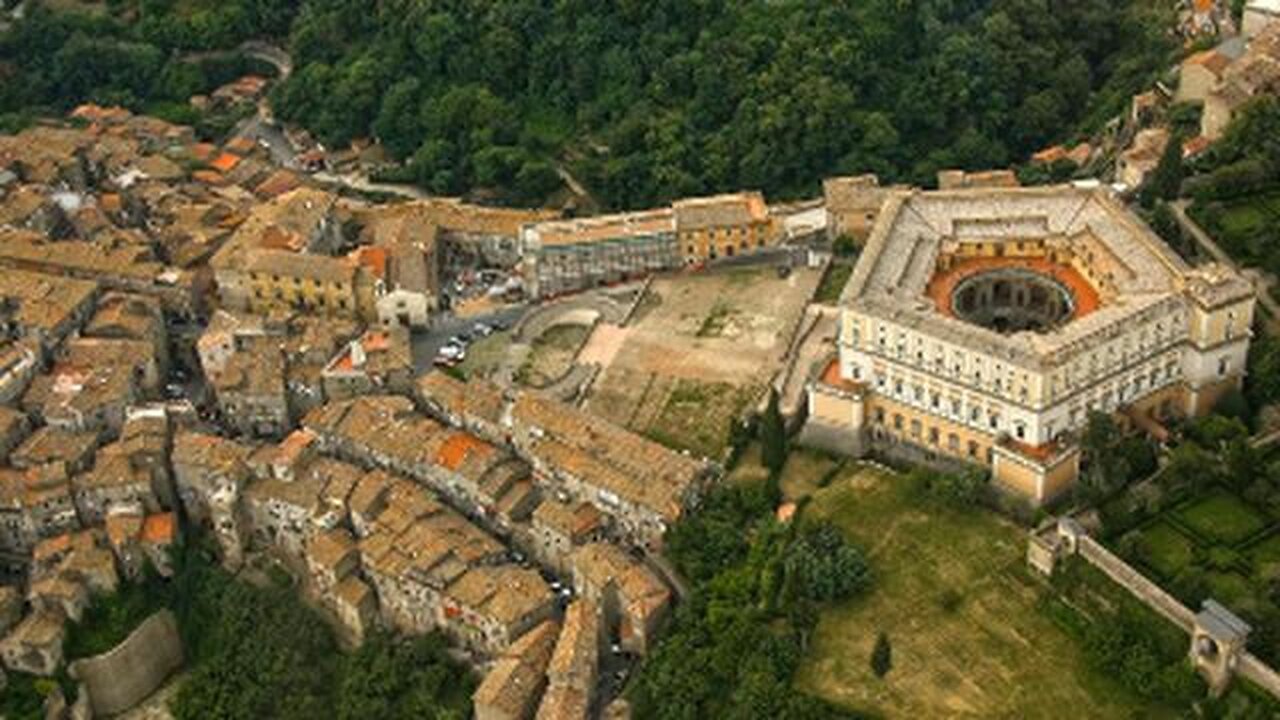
1127 648
955 490
950 600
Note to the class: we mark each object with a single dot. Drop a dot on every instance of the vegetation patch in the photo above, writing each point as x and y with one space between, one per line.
551 354
256 651
833 282
755 589
1166 549
485 356
963 614
697 416
716 321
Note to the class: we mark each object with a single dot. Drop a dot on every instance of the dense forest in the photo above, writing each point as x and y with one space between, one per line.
254 650
145 55
642 101
650 100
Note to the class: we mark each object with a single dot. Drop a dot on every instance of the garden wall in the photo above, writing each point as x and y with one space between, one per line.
1133 581
1259 673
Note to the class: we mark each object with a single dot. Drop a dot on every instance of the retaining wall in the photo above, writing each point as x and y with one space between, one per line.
127 674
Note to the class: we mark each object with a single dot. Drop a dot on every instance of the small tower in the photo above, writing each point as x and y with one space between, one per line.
1217 640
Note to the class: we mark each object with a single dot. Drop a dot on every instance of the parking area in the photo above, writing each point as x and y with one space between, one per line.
462 332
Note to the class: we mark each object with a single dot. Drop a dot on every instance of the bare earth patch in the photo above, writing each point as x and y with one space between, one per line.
700 349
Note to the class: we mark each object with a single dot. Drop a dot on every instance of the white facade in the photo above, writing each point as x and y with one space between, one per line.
1155 323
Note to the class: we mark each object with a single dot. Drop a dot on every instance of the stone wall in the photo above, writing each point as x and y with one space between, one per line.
1259 673
125 675
1133 581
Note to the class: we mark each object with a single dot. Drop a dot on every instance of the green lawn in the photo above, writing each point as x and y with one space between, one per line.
1167 549
485 356
551 354
1230 588
994 653
1222 517
1243 219
1265 552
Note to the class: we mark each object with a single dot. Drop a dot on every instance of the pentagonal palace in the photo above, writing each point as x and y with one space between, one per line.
983 325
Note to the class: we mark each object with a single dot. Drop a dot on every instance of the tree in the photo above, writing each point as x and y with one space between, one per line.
882 656
773 437
1165 182
823 567
1166 226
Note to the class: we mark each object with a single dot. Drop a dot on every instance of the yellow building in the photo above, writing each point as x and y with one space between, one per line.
279 280
721 226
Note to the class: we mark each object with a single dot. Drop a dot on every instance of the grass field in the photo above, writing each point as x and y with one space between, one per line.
551 355
962 612
485 355
696 416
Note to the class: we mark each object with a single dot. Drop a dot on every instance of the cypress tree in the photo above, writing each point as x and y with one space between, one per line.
773 437
882 656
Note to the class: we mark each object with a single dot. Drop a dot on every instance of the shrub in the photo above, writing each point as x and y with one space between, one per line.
822 566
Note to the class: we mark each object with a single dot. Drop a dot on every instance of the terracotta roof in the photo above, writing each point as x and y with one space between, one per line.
225 162
457 448
160 528
1211 60
943 283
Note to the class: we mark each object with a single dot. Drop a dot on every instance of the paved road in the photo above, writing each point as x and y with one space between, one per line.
356 181
1260 280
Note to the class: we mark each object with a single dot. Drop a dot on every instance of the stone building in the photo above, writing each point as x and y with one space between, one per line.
556 528
210 474
385 431
640 485
633 600
852 205
564 256
34 646
721 226
379 361
572 672
513 686
983 326
114 480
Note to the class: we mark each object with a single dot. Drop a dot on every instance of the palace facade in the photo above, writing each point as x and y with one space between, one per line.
984 325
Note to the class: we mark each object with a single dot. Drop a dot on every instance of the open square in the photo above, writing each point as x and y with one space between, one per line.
698 352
